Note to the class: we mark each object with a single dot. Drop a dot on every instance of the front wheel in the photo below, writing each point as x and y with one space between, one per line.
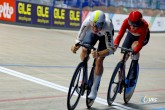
75 89
114 84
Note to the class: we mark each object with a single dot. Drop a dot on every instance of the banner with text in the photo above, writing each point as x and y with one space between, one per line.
46 15
66 18
7 10
41 15
24 12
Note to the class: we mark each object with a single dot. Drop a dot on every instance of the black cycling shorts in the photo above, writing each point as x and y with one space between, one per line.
131 38
92 38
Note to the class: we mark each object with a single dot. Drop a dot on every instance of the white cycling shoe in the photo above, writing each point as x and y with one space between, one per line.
92 94
94 88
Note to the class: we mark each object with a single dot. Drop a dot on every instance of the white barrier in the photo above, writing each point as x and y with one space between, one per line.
156 24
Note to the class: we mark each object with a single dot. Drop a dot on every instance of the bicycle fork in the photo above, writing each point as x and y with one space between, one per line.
121 77
84 84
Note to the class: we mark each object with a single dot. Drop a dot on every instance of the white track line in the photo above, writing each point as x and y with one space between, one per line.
56 86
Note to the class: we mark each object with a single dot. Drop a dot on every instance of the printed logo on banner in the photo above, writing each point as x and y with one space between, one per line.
24 12
42 14
74 18
59 17
7 10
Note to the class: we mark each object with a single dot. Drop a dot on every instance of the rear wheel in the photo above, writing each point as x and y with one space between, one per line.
75 88
114 84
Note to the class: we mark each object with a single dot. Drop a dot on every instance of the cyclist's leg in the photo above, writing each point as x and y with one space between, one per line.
127 44
98 69
133 71
97 77
91 39
134 64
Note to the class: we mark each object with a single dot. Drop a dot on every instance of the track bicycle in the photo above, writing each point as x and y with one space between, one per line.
119 80
77 90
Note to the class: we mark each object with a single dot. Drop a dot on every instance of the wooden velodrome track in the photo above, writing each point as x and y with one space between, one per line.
36 66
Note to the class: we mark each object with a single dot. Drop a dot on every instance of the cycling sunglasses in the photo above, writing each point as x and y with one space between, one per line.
98 25
134 24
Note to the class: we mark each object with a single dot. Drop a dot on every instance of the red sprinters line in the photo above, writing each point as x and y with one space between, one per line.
154 90
32 98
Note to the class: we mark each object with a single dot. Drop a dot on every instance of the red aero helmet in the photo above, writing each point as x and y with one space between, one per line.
134 18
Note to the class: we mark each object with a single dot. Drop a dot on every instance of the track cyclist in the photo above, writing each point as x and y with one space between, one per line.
137 36
96 27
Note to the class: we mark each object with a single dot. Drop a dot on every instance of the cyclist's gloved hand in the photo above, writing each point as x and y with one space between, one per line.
95 54
132 53
115 47
74 48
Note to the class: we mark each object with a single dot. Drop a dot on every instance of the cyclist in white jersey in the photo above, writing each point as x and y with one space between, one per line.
96 27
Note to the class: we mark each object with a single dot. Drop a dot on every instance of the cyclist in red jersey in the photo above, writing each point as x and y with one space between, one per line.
138 35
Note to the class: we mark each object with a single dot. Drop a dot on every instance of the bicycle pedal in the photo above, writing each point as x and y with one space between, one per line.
82 92
120 89
86 87
90 101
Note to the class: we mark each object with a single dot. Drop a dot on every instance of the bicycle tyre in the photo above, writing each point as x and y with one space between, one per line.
74 83
90 102
111 98
127 97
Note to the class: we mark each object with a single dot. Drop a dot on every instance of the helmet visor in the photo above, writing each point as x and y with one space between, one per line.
134 24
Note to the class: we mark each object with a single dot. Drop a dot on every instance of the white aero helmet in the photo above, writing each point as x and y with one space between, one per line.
97 19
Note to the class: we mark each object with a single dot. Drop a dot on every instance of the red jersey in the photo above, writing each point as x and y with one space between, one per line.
141 31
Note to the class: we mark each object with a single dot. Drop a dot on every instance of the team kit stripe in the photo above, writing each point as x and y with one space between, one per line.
97 16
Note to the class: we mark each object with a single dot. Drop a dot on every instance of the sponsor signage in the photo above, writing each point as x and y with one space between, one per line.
46 15
74 20
24 12
41 14
7 10
59 17
33 13
66 18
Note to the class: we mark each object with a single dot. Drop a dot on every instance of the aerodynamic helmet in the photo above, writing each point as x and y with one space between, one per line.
97 19
134 18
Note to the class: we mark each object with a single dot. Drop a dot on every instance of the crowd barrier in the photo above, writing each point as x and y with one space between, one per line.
29 13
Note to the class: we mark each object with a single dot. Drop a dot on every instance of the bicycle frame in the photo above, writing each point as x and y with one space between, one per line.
85 61
121 81
123 61
128 90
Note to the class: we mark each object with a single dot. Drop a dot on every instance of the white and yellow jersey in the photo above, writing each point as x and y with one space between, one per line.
107 31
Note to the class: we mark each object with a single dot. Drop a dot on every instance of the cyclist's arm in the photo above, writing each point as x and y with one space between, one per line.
83 30
108 41
121 32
